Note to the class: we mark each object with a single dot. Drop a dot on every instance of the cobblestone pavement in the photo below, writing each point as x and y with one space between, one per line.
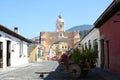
27 72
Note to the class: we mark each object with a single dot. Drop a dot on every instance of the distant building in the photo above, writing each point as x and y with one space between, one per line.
13 47
47 39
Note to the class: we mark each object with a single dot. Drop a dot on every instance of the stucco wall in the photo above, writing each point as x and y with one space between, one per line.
49 38
14 50
93 35
111 32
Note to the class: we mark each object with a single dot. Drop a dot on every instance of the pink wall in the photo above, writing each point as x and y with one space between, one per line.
111 31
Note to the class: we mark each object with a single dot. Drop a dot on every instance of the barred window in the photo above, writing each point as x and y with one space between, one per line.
21 49
95 44
89 43
85 45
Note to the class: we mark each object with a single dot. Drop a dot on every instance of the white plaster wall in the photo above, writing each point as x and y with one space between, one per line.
24 58
16 59
93 34
15 53
15 47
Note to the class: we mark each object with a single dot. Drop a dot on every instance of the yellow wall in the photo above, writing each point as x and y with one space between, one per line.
33 54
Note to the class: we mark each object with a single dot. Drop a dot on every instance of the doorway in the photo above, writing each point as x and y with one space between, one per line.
1 54
8 53
102 53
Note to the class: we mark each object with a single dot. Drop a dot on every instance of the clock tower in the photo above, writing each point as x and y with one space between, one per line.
60 24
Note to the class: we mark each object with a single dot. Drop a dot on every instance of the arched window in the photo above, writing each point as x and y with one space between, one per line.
89 44
60 34
95 44
85 45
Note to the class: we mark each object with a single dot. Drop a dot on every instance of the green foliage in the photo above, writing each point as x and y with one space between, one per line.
91 55
88 55
76 55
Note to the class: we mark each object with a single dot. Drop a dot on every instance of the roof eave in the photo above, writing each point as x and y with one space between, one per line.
8 31
110 11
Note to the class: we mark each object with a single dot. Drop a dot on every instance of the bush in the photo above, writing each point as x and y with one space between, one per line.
88 55
76 55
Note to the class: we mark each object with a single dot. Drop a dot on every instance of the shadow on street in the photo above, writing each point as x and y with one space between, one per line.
93 74
59 75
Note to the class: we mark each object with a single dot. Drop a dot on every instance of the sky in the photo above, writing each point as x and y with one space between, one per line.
35 16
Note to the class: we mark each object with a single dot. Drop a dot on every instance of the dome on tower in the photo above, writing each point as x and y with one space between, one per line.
60 24
60 19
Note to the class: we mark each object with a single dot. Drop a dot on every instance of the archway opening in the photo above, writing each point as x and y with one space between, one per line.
40 53
57 49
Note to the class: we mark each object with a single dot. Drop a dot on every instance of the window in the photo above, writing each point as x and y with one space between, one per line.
60 25
21 48
65 46
60 34
95 44
39 53
85 45
89 43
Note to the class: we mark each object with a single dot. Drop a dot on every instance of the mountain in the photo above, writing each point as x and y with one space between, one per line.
83 29
79 28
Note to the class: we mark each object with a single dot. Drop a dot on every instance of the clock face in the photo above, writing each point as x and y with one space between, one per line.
60 25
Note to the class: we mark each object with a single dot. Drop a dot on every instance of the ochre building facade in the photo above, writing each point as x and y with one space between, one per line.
47 39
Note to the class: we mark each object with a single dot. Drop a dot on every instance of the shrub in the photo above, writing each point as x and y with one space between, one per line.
88 55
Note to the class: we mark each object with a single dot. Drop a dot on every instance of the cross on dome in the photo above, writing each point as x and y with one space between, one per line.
60 16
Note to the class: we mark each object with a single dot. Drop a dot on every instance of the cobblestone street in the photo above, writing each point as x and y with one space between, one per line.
27 72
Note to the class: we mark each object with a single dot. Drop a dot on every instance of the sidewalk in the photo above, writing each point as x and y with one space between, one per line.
9 69
105 75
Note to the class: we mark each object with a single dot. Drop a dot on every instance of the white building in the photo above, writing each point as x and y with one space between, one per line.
91 40
13 48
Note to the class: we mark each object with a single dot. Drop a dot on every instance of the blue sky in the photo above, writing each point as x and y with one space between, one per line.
34 16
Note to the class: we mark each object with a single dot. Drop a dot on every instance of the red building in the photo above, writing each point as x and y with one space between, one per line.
109 27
